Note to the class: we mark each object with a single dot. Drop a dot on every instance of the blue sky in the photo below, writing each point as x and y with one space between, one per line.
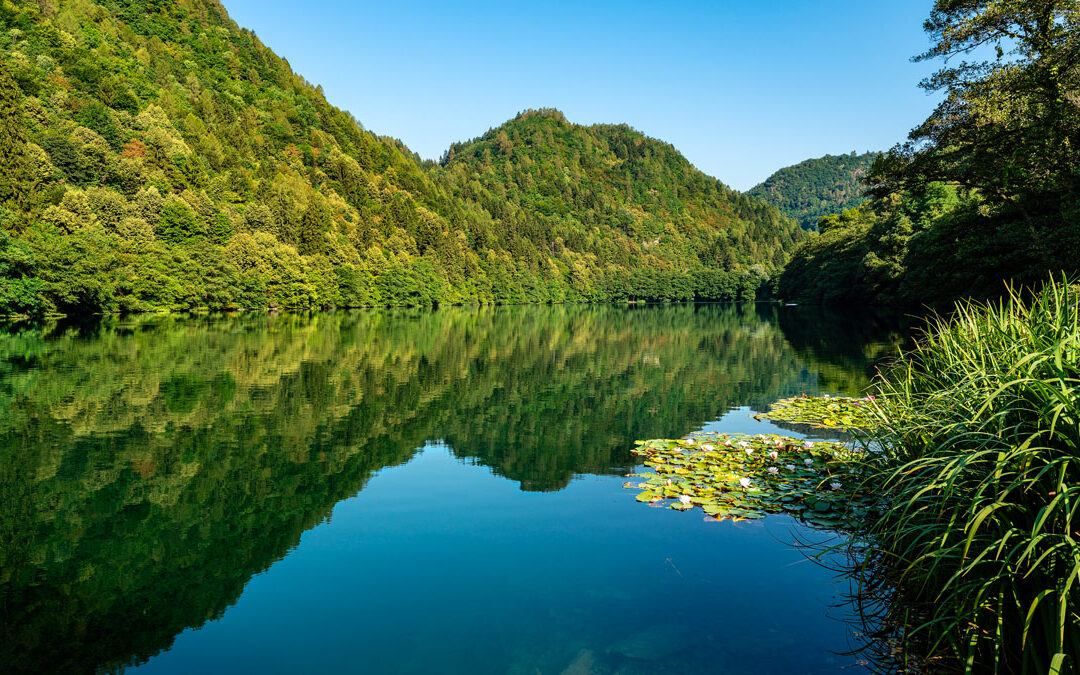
741 88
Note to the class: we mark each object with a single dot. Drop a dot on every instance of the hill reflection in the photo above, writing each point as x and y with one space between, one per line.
150 466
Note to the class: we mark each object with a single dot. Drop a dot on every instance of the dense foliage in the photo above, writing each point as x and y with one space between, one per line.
810 190
986 189
157 156
974 558
913 248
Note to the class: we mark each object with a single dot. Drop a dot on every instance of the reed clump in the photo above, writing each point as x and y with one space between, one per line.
973 559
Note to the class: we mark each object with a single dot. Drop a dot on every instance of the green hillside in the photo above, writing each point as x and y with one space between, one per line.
811 190
157 156
637 209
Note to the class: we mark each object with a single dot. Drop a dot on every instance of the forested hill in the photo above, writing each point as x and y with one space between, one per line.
157 156
811 190
628 201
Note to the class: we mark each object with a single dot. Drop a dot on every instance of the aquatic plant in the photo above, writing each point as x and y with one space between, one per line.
833 412
742 477
976 558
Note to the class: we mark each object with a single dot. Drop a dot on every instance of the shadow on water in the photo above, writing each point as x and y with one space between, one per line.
149 466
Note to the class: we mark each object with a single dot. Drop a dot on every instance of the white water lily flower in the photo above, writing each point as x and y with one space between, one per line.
743 444
708 448
727 443
774 455
808 445
778 443
749 451
789 467
808 461
745 482
685 499
773 470
835 486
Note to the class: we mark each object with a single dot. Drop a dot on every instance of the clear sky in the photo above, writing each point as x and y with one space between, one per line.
741 88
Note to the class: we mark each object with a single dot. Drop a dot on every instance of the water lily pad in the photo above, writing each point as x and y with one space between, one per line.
831 412
743 477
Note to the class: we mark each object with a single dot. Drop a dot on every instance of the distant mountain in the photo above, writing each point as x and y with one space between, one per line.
811 190
157 156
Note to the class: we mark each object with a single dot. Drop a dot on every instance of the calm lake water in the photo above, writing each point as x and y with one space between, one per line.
404 491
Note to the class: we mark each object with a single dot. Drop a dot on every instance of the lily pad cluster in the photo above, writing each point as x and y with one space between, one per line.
832 412
742 477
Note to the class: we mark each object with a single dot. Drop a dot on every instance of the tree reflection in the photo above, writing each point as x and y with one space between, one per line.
149 466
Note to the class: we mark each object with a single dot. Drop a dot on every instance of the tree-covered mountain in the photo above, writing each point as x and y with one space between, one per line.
810 190
157 156
645 217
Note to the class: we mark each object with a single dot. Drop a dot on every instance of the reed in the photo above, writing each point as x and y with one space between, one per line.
973 559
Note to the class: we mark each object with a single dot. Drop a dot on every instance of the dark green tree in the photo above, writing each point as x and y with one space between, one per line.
177 224
19 293
313 227
1010 124
987 188
13 170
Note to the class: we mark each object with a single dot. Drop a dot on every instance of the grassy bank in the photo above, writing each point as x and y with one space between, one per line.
974 560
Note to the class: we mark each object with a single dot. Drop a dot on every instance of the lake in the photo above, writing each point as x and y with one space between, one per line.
419 491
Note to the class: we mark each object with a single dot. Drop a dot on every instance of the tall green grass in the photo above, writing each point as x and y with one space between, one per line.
974 561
